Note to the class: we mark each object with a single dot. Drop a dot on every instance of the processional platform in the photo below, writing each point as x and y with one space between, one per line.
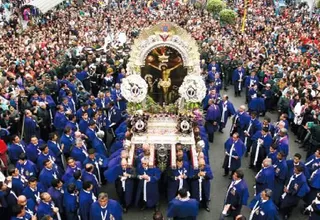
161 132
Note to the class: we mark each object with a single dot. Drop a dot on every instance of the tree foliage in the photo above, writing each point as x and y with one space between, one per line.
198 5
215 6
228 16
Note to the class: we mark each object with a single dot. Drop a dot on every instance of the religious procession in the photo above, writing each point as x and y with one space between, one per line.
155 110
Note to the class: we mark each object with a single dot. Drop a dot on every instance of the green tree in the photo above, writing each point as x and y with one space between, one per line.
198 5
318 4
228 16
215 6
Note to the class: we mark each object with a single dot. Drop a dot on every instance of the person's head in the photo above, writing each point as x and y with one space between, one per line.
124 164
92 153
47 164
12 171
22 158
178 146
3 186
183 193
267 162
44 149
71 188
103 199
242 108
145 162
297 158
15 139
46 217
22 200
34 140
280 155
179 153
281 124
67 130
89 168
71 162
225 98
266 194
32 182
253 114
235 137
124 154
18 210
158 216
272 148
266 121
87 186
264 131
317 153
79 143
56 183
45 197
179 163
201 163
53 136
238 175
283 132
283 117
85 116
77 175
298 169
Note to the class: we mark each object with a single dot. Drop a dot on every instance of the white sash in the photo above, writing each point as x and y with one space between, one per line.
288 186
224 109
255 208
104 215
58 213
22 148
200 188
230 187
246 138
98 169
54 175
123 182
257 152
14 194
230 155
313 173
181 179
37 195
240 82
145 190
309 162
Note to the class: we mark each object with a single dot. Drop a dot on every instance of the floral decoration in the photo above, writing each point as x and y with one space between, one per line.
193 89
134 88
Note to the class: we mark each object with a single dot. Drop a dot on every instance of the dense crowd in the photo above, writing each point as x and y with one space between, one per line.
64 131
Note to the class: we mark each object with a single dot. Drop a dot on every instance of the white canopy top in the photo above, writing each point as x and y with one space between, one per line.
44 5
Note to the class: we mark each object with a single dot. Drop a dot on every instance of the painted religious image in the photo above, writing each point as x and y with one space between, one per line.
164 73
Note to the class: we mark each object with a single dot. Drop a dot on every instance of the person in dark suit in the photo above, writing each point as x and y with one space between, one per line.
237 195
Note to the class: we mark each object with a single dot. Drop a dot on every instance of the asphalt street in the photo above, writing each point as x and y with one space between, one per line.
219 183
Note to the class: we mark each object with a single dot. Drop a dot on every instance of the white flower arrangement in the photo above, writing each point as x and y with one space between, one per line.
193 89
134 88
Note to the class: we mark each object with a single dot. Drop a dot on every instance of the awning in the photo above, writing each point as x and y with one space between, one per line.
44 5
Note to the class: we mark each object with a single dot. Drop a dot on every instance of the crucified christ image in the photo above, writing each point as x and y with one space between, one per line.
165 81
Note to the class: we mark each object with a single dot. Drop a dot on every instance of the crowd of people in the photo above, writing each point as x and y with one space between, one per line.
64 131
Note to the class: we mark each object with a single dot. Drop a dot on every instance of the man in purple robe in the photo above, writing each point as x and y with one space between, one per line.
265 177
147 191
237 195
234 150
227 110
212 119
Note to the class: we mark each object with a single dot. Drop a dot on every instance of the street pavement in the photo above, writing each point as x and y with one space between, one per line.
219 183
